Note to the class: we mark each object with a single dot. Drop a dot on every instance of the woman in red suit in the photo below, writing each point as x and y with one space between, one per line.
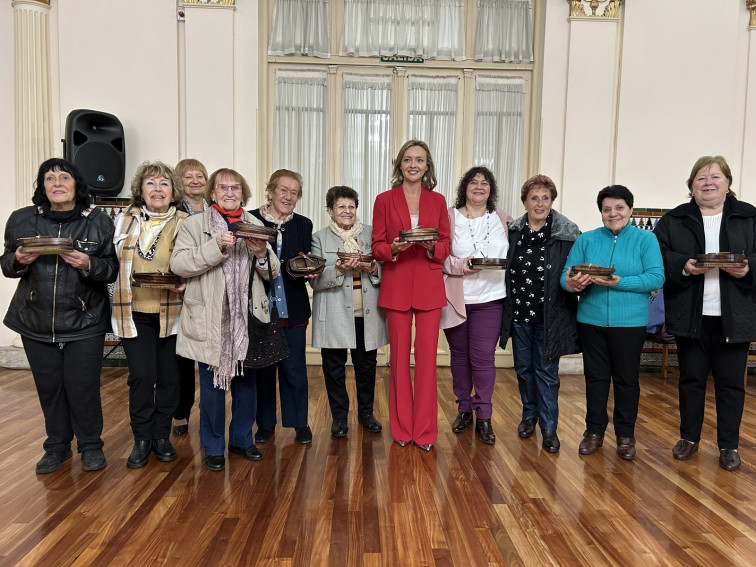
412 285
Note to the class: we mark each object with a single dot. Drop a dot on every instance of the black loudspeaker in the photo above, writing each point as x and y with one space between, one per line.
94 144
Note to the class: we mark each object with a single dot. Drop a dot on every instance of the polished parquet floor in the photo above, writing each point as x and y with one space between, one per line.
364 501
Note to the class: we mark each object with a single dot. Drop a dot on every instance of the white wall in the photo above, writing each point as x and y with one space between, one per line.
681 97
121 58
680 93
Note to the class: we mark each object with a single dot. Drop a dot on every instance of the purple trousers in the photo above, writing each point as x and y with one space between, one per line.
471 346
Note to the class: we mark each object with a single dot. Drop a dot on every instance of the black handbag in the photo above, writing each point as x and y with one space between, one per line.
267 341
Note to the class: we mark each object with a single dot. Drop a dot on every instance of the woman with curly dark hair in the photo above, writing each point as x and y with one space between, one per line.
472 317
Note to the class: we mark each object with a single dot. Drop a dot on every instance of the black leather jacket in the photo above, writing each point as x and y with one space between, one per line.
560 307
55 302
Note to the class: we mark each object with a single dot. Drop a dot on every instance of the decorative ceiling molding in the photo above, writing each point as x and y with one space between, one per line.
211 2
45 3
611 9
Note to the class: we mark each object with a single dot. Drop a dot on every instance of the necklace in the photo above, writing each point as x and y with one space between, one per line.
472 233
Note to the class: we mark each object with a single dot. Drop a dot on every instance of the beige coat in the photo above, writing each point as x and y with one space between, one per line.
196 256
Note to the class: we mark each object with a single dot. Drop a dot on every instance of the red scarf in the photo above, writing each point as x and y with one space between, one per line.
231 217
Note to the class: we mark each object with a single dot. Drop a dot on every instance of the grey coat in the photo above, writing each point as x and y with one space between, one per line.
332 310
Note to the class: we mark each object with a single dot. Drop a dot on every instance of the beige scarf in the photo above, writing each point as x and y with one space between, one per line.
348 236
234 332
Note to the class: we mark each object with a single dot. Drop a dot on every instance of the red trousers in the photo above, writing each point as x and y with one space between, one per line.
413 408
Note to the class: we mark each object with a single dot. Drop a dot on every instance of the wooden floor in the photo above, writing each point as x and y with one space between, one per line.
365 501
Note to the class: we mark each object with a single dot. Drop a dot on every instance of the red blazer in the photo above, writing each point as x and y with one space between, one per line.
411 279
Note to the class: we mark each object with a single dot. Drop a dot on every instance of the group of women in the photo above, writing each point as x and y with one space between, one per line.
182 222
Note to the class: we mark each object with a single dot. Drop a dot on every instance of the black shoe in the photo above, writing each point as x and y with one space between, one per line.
370 423
140 454
51 460
464 418
251 453
427 447
550 440
684 449
164 450
526 427
264 434
729 459
180 430
93 460
304 434
402 443
215 462
339 428
484 431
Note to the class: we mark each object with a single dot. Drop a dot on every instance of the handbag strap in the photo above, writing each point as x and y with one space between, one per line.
254 271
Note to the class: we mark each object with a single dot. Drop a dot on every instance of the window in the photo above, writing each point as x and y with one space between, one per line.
301 134
366 137
499 134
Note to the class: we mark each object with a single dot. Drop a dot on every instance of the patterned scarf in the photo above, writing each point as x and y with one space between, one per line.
151 226
349 236
278 222
234 332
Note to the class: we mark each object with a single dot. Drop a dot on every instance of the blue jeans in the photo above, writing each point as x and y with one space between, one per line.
213 411
537 377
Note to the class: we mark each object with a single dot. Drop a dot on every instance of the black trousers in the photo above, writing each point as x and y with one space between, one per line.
67 377
292 385
187 386
153 379
334 371
611 355
727 364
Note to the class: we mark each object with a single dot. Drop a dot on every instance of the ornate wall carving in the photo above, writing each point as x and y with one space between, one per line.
610 10
751 5
212 2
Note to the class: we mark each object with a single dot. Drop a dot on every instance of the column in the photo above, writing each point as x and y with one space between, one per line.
591 108
209 86
33 101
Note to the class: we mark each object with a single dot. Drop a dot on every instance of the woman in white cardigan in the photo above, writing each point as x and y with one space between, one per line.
345 310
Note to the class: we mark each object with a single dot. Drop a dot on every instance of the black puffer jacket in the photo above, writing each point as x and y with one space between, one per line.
681 237
560 307
55 302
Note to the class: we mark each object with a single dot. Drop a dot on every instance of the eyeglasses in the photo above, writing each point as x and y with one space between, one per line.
229 188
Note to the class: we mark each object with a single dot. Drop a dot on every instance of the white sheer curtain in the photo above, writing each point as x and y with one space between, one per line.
432 118
300 27
504 31
499 134
300 136
432 29
366 138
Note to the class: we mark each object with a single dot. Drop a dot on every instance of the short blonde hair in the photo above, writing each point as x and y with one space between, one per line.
187 165
704 161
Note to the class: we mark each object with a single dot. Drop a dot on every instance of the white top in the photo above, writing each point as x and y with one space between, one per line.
482 237
712 303
414 219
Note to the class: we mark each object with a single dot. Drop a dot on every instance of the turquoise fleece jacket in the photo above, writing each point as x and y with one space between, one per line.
637 260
